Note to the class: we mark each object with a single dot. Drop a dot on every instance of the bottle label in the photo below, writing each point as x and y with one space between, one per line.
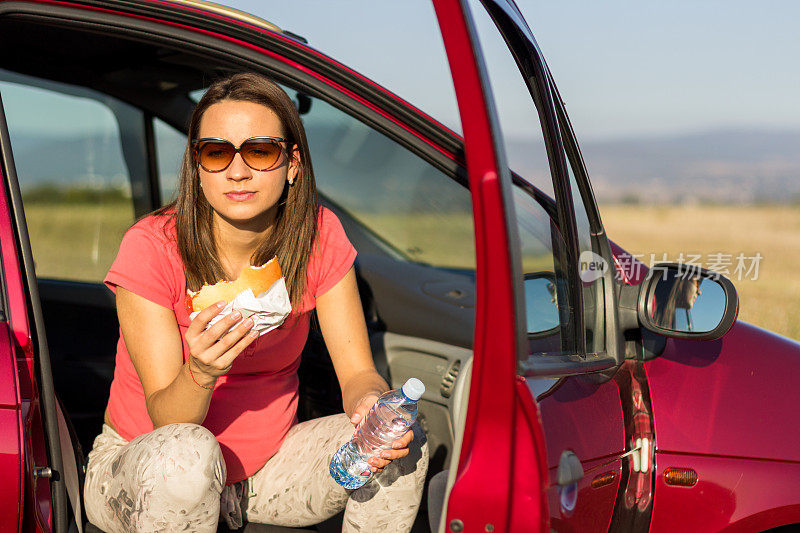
349 470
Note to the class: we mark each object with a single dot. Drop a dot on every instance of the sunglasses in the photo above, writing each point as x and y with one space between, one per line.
258 153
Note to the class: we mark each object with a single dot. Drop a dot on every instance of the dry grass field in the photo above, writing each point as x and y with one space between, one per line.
771 301
76 241
80 241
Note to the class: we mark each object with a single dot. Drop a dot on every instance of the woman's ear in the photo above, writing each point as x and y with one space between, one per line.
294 165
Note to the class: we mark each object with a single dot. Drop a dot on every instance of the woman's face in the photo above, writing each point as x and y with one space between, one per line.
690 292
240 195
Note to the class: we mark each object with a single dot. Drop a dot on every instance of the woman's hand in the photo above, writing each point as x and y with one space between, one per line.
213 350
399 447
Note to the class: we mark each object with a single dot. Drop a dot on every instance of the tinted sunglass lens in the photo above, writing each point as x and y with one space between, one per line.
261 155
215 156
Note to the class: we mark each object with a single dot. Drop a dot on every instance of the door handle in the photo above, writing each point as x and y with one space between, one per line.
570 469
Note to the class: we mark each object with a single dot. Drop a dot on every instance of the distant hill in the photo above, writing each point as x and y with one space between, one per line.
726 166
88 161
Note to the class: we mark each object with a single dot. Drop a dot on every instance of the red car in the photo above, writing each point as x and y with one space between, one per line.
567 388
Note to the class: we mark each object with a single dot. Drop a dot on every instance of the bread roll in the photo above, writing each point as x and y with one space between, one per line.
259 279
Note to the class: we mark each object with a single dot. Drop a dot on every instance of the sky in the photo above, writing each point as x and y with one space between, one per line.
625 68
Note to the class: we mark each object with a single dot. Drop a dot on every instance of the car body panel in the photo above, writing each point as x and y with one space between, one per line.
592 510
736 396
10 465
583 414
9 390
731 494
15 367
38 503
17 311
529 485
11 456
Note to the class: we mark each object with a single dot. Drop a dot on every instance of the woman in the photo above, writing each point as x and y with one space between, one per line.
671 294
201 421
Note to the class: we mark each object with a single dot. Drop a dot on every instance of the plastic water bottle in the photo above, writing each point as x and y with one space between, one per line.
388 420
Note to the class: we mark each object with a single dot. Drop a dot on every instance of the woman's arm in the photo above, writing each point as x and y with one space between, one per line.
341 319
174 391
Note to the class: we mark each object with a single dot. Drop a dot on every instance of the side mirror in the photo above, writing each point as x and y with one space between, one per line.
686 302
541 303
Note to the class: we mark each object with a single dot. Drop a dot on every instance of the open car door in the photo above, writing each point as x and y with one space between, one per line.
500 479
46 480
13 335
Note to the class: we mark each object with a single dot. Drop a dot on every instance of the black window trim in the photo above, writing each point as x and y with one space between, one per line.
534 72
561 145
151 151
614 338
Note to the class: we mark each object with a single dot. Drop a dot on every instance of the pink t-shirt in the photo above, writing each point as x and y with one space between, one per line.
253 406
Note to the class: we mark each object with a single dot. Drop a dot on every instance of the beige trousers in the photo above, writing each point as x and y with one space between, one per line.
172 479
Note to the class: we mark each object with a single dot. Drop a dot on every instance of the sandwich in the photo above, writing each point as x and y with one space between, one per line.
257 278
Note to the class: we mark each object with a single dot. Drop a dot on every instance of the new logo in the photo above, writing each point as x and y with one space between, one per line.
592 266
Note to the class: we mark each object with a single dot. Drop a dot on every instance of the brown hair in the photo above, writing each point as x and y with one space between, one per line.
295 226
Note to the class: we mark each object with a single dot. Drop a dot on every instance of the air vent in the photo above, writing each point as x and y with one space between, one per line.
449 379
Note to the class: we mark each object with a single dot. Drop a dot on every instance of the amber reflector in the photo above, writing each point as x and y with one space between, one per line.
606 478
680 477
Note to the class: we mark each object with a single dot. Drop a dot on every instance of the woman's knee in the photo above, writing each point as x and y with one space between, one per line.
174 471
182 460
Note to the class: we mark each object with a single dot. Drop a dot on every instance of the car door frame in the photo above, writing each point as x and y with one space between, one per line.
560 144
12 462
501 418
604 365
25 316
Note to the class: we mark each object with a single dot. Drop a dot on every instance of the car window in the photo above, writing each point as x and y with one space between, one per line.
519 119
73 174
419 73
591 280
170 144
527 156
548 315
413 208
542 248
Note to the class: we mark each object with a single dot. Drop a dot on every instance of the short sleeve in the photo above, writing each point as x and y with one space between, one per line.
336 253
143 267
